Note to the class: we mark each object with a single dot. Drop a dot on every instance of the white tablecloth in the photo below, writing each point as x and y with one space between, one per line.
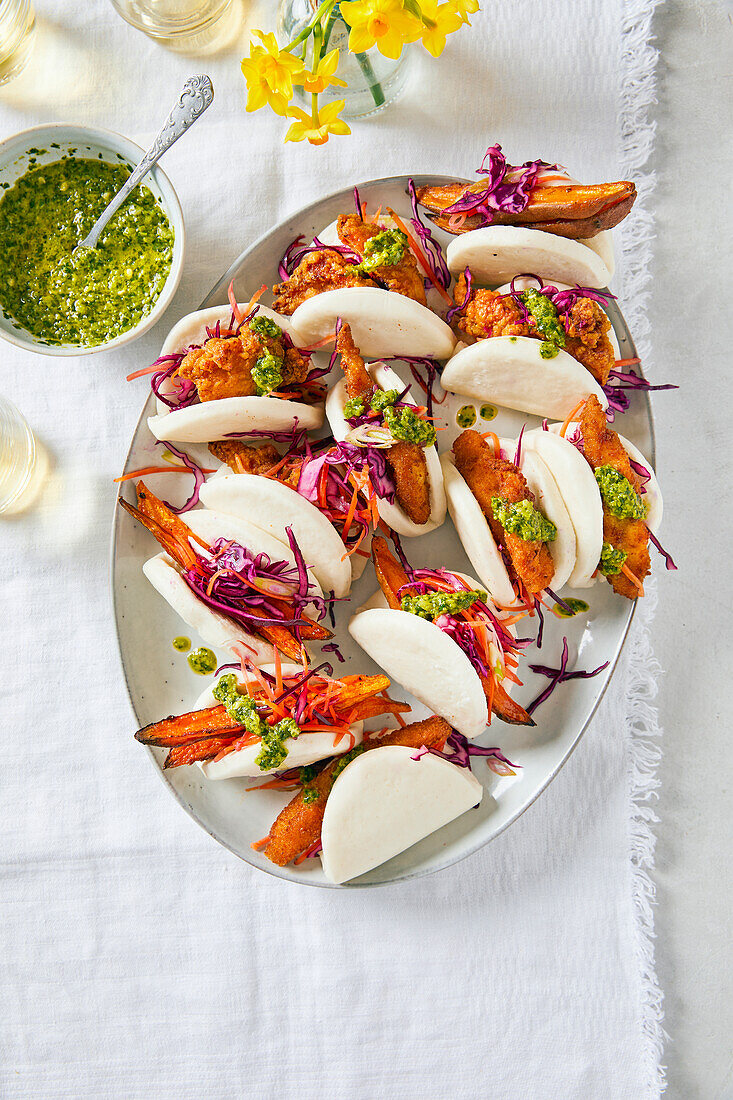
140 959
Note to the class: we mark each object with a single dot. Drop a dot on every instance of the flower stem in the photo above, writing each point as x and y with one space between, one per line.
371 78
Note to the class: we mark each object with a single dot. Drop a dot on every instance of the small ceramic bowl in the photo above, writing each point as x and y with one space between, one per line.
53 141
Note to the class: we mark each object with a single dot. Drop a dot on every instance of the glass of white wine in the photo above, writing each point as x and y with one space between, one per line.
17 31
18 458
189 26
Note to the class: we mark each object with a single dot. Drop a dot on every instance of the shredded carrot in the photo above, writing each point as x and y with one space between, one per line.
420 257
238 315
159 470
618 363
258 845
278 672
151 370
275 785
568 419
633 578
494 441
319 343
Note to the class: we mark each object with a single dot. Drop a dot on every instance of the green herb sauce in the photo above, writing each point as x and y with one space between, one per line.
620 498
382 399
267 373
202 661
546 318
265 326
406 425
242 709
548 350
574 607
353 408
384 249
488 412
310 794
182 643
523 520
346 759
432 604
95 295
466 416
611 560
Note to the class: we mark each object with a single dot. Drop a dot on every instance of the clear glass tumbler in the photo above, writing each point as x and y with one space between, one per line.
189 26
17 456
17 31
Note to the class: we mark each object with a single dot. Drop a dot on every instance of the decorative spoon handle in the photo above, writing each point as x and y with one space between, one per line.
196 97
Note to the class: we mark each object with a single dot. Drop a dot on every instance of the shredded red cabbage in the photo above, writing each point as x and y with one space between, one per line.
199 477
432 250
642 473
296 252
427 385
184 392
668 560
466 298
541 621
617 384
463 750
518 452
507 188
332 647
559 676
357 203
235 581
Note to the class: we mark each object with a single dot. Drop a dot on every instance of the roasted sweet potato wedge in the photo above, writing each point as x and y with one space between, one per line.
169 529
183 729
199 750
298 826
504 707
390 574
359 688
577 211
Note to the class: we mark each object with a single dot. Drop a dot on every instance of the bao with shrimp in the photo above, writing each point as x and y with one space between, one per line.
533 217
510 517
611 493
231 582
438 634
371 409
531 346
230 369
366 273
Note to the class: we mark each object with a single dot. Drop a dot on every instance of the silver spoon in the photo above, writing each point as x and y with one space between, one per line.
197 95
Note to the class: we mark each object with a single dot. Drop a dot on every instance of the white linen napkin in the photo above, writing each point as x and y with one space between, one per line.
142 960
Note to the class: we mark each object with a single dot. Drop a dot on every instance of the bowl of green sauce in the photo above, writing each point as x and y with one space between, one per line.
55 181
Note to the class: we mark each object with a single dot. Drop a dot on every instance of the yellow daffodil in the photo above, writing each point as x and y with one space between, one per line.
322 76
270 72
384 23
440 21
464 8
328 122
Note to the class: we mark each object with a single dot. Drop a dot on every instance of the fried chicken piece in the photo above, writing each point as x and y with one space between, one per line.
244 458
488 476
359 384
402 277
602 447
406 461
587 338
222 366
298 826
488 314
317 272
491 314
409 468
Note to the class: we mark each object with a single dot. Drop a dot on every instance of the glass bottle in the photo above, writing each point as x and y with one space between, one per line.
373 81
